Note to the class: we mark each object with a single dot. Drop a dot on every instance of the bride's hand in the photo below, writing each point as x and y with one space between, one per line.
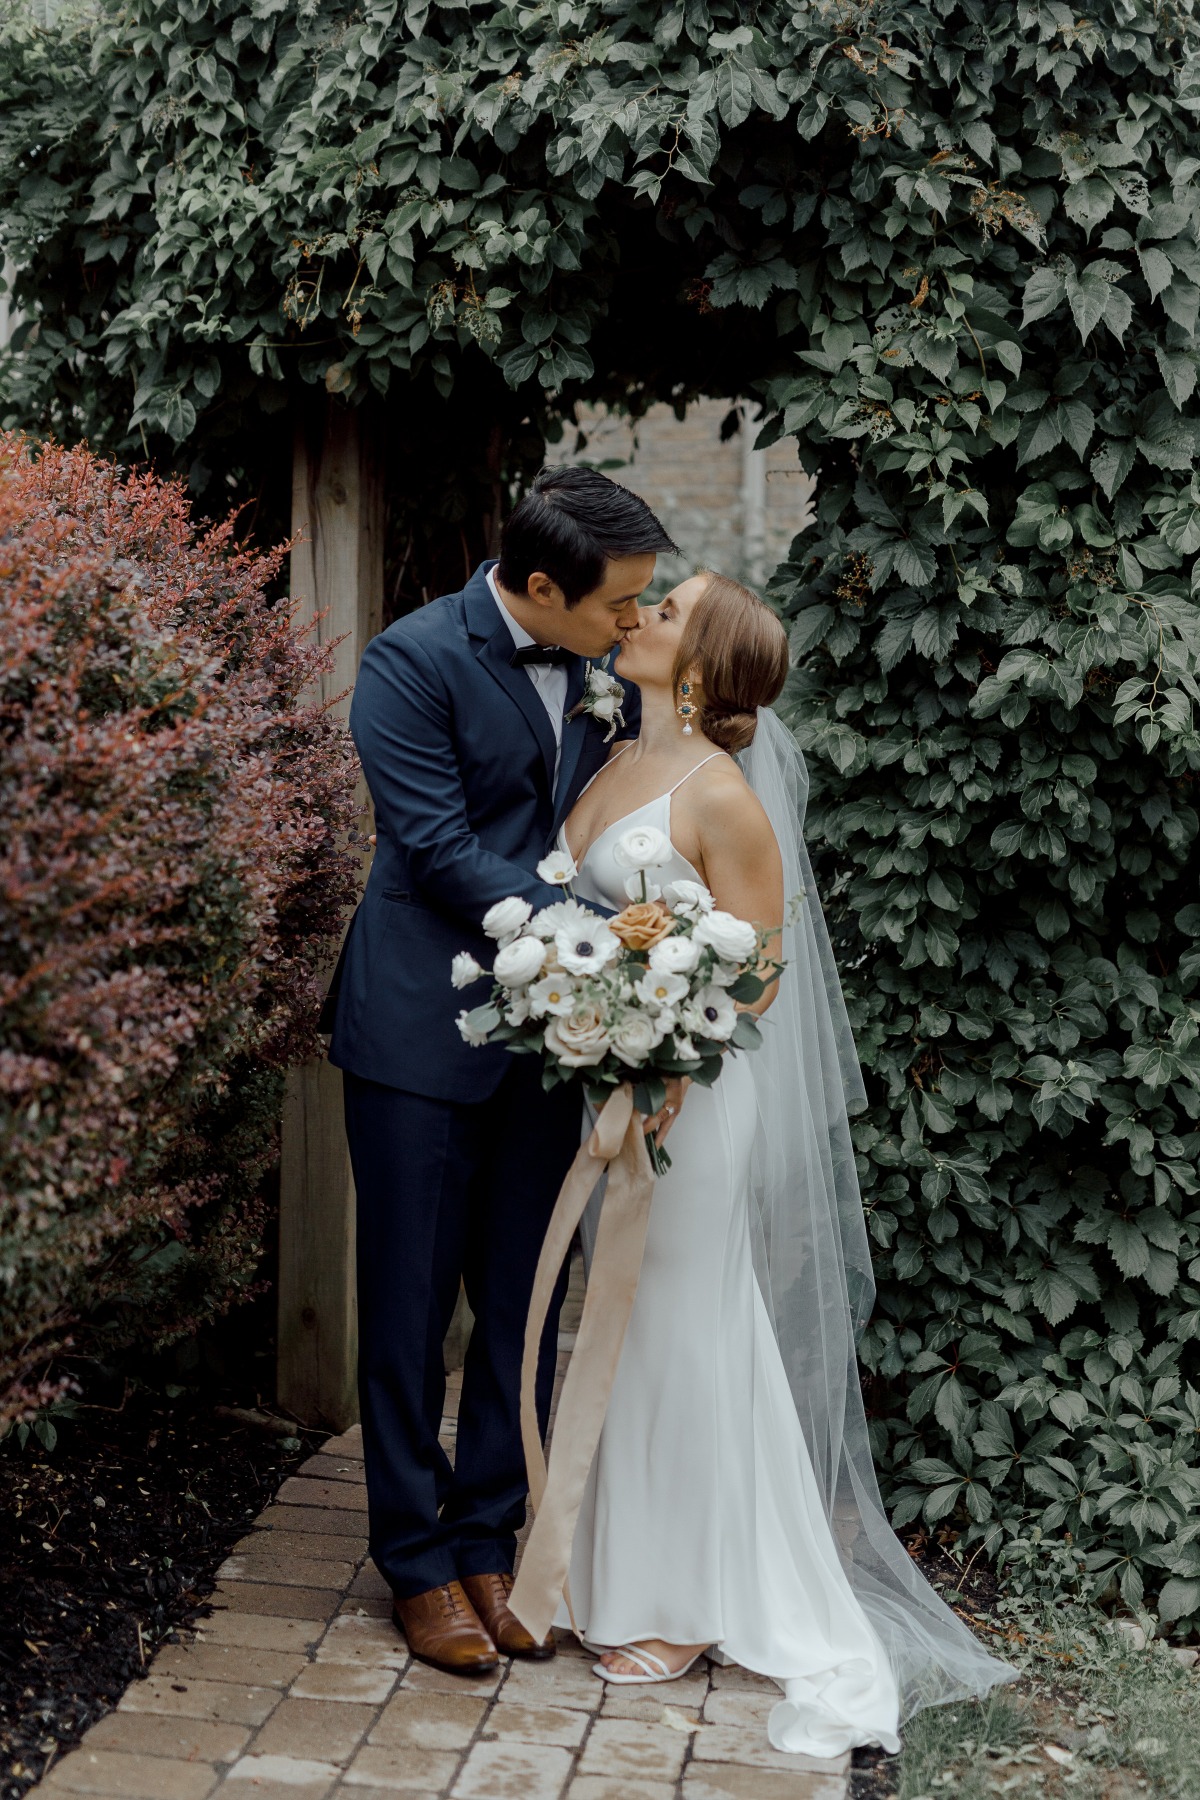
661 1122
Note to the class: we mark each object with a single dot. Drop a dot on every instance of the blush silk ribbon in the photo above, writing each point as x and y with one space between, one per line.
616 1143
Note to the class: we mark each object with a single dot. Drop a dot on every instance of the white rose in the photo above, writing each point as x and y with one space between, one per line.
604 707
633 887
470 1034
560 915
588 947
642 847
506 918
729 937
578 1041
519 961
636 1036
712 1013
552 994
674 956
688 897
557 869
661 991
600 683
464 969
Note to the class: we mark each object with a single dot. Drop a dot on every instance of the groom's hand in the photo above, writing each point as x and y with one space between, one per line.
661 1122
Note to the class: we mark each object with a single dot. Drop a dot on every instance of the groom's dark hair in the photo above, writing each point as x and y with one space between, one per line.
570 523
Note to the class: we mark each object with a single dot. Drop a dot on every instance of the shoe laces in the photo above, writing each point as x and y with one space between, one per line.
453 1605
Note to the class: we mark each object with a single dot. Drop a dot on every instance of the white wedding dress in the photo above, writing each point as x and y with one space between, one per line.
702 1521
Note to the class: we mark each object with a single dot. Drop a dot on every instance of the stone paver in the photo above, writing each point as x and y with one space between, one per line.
298 1687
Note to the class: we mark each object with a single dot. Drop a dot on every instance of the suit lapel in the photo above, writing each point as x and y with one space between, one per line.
493 646
574 732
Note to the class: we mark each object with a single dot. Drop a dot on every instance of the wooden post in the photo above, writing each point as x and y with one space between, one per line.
337 571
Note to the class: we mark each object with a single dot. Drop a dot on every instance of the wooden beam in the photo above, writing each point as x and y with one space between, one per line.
337 575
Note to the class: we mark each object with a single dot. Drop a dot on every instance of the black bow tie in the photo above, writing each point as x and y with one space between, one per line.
533 654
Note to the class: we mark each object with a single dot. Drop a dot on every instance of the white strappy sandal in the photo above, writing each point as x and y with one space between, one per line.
655 1669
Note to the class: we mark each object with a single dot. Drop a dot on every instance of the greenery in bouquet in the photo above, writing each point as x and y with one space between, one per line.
659 990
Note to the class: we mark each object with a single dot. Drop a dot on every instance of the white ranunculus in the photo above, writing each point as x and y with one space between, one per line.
601 683
581 1040
642 847
729 937
469 1033
674 956
587 948
557 869
519 961
635 1036
552 994
464 969
662 991
711 1014
633 887
505 919
560 915
688 897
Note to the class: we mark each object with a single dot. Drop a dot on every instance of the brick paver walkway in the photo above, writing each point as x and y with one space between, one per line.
299 1688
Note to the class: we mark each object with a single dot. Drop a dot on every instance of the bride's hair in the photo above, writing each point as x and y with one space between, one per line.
740 650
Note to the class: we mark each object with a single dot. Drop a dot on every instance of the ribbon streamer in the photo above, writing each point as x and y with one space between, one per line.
618 1144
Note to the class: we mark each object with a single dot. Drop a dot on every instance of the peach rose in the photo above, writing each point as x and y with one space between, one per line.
642 924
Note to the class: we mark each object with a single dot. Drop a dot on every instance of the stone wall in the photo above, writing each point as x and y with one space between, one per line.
728 506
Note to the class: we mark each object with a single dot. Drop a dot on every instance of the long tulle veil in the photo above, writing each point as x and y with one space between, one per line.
813 1262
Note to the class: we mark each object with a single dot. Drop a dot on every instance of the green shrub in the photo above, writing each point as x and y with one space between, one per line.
172 798
952 246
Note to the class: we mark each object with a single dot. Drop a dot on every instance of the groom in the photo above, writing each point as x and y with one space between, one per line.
467 719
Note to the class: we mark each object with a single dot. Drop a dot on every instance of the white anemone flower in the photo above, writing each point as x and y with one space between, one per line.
587 948
561 915
711 1014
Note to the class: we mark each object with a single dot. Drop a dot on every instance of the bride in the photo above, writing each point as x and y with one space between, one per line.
732 1505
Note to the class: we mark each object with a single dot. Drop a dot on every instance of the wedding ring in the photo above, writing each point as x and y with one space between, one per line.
668 1110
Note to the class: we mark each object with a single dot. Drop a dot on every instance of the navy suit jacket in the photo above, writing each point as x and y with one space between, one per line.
458 751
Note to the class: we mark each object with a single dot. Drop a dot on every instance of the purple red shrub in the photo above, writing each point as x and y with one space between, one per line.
175 809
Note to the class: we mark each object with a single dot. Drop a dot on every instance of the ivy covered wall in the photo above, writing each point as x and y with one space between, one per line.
952 248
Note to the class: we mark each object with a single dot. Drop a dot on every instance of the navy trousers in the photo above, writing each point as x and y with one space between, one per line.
448 1191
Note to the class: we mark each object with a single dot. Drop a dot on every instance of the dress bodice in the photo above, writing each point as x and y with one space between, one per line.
601 880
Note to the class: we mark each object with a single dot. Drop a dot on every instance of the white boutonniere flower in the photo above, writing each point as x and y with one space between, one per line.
602 697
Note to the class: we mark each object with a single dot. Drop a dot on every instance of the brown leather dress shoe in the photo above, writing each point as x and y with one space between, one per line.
443 1628
488 1594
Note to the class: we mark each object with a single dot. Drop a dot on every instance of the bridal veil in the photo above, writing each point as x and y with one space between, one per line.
813 1262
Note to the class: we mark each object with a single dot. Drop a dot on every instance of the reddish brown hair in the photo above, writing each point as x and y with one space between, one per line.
739 650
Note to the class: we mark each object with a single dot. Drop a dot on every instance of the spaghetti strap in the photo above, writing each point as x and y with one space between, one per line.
691 772
604 765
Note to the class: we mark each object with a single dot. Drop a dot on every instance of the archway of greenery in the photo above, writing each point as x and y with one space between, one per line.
952 249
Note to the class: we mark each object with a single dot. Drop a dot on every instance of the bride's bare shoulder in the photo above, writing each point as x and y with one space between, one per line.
724 806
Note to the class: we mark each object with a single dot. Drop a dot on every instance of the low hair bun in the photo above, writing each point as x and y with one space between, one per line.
731 731
736 649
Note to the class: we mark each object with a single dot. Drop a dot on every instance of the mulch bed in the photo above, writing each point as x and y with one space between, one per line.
107 1543
874 1772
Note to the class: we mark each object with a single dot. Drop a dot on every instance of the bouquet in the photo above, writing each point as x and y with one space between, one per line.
651 993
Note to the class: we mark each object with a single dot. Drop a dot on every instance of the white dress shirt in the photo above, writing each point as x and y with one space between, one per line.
550 679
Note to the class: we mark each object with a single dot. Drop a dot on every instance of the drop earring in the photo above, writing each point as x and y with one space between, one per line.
685 709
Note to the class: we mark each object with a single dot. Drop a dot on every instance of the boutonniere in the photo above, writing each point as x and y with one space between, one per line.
602 697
